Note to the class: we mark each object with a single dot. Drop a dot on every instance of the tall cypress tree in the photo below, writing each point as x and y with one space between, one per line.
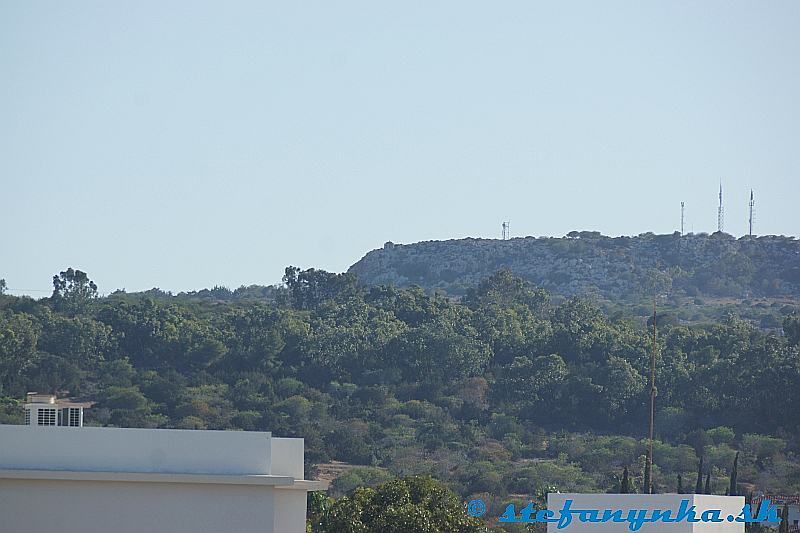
784 527
732 491
698 487
748 501
625 484
680 484
708 483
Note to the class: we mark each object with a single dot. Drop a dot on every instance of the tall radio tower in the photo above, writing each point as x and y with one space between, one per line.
720 212
752 205
506 230
682 233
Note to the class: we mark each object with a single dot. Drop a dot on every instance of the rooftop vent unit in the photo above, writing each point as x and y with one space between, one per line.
45 410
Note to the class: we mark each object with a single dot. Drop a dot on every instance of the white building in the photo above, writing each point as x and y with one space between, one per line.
100 480
44 410
727 505
779 500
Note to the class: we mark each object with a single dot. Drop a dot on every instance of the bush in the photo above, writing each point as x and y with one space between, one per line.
359 477
721 434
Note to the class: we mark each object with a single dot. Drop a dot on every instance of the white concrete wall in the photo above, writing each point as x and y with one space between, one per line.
794 515
291 506
110 507
728 505
87 480
136 450
288 456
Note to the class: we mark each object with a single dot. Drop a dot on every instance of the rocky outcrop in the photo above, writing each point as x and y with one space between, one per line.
590 263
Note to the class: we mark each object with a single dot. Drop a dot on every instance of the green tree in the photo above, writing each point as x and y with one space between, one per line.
733 488
438 353
507 290
346 341
72 290
309 288
156 334
19 334
791 328
409 505
317 505
625 484
621 383
257 339
128 407
529 384
784 524
359 477
81 340
698 488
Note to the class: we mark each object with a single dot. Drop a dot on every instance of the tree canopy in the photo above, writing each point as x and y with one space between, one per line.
509 390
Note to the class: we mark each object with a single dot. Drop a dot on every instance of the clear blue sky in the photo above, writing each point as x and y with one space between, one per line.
187 144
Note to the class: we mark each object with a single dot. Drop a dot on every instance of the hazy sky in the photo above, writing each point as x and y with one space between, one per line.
187 144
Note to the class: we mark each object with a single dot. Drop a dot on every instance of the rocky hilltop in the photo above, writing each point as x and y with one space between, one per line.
590 263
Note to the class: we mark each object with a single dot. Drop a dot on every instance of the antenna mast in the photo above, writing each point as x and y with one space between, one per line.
506 230
720 212
682 233
752 205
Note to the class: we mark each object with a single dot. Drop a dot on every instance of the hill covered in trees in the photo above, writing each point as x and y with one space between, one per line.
504 392
589 264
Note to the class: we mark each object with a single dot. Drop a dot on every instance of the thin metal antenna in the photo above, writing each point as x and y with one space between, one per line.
752 205
720 212
682 206
506 230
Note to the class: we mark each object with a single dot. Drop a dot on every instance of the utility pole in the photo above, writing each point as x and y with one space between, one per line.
648 472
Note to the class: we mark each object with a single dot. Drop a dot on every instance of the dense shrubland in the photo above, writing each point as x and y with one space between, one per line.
502 392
